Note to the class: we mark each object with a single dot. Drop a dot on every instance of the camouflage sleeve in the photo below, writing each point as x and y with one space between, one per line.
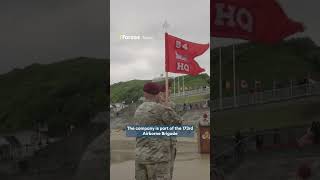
170 117
172 105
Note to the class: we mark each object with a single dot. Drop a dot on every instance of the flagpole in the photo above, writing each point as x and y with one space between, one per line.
165 27
273 87
167 88
179 85
220 79
174 86
234 77
183 84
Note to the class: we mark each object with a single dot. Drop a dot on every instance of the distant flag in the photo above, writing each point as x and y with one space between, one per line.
180 55
254 20
244 84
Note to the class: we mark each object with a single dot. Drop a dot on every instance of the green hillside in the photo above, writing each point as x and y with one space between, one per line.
127 91
194 82
60 94
290 60
132 90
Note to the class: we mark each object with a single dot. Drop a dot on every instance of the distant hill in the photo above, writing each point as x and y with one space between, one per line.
60 94
289 60
132 90
127 91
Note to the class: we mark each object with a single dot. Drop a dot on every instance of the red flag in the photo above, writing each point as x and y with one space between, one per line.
180 55
255 20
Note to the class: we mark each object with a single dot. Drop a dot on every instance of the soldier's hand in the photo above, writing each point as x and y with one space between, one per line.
171 117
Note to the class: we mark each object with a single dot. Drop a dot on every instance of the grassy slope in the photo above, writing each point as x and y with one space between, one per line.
132 90
127 91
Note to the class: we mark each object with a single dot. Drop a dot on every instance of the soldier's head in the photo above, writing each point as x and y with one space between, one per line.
151 91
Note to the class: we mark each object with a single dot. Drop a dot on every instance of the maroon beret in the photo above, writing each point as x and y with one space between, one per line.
151 88
163 88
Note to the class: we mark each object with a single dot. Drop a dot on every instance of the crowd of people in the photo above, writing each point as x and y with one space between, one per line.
193 106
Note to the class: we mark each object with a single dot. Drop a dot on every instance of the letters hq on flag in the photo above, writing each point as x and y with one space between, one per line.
180 55
255 20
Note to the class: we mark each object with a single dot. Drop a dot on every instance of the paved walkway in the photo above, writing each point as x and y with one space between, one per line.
278 164
184 170
189 165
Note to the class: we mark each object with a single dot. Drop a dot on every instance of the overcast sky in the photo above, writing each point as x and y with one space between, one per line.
144 59
46 31
189 20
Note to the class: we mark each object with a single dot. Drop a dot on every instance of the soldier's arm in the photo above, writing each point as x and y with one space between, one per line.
170 117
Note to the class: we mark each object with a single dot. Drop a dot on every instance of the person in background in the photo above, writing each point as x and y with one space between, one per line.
238 145
311 136
205 121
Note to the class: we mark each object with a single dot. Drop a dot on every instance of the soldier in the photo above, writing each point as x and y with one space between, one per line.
239 145
174 140
163 97
154 154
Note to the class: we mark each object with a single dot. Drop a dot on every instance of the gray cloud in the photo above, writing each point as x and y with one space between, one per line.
47 31
144 59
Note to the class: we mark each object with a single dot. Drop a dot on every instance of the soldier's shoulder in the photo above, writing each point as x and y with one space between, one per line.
169 109
150 106
146 104
172 104
164 107
158 107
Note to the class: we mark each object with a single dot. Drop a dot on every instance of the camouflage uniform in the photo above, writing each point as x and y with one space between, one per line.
154 154
172 105
173 144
